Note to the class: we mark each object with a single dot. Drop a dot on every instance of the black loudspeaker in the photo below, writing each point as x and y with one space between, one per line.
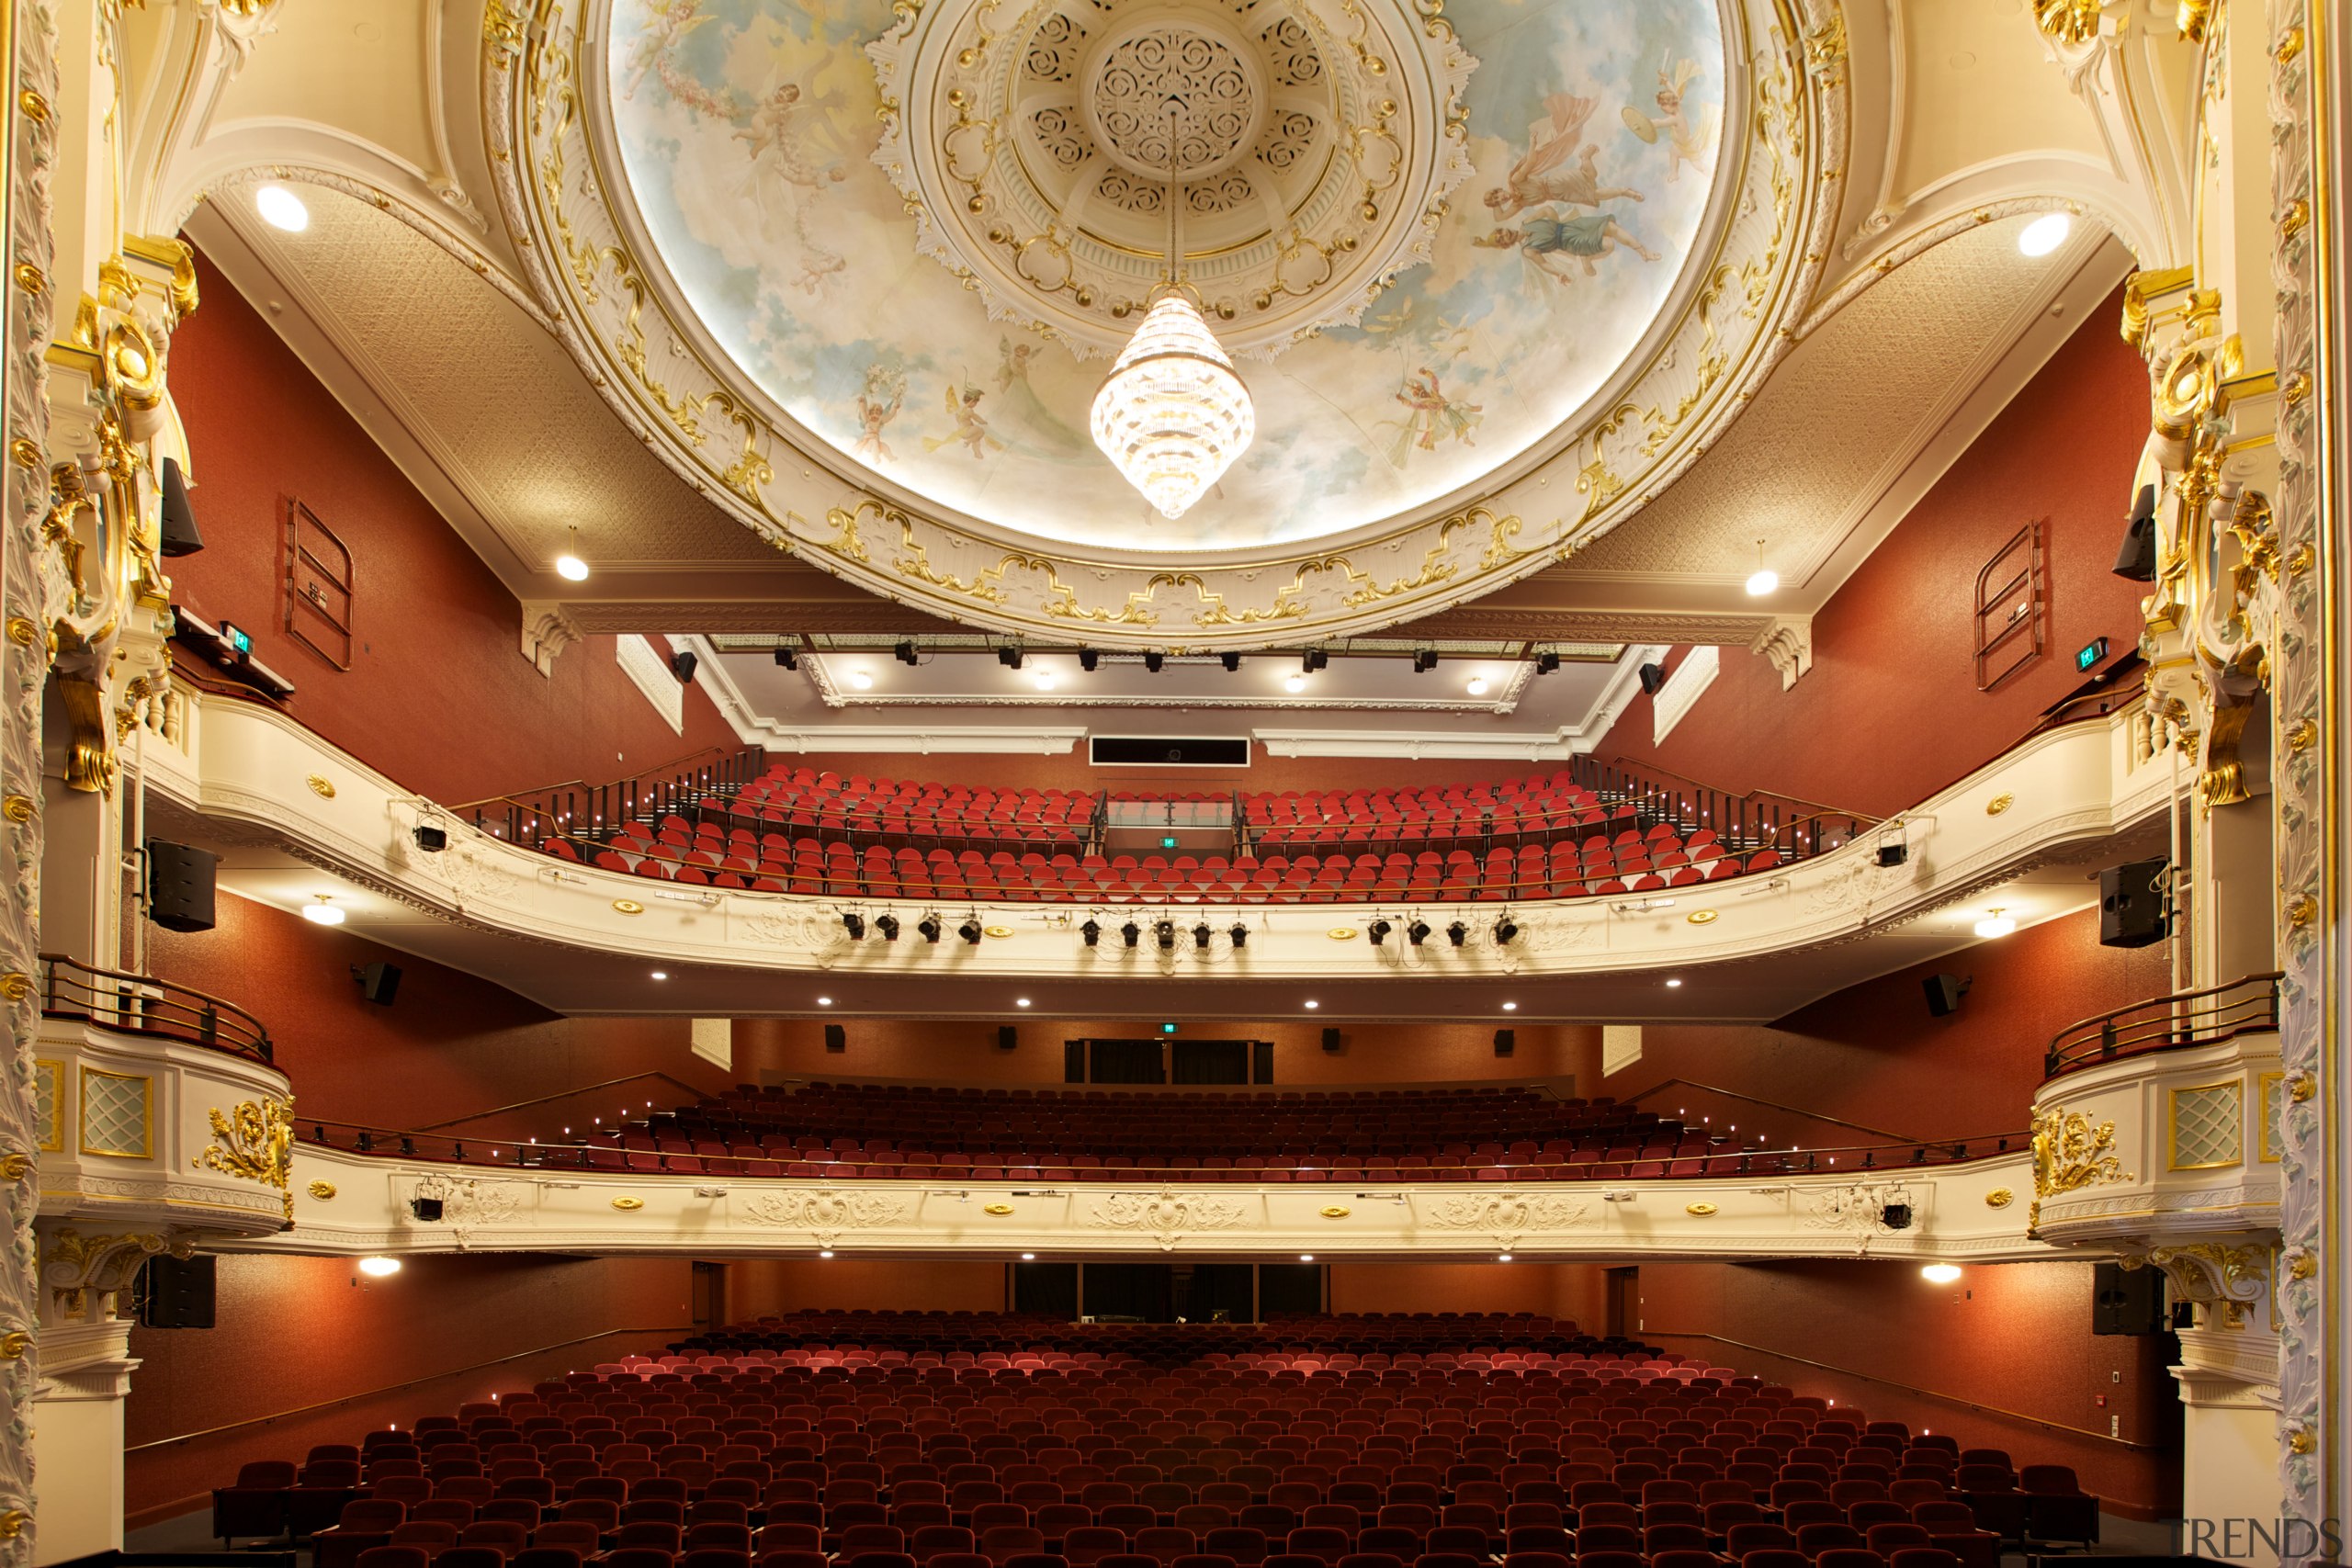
681 664
379 983
180 535
2131 905
1895 1216
1073 1061
179 886
427 1211
2137 559
1331 1041
176 1293
1506 1042
1261 1061
430 839
1007 1037
1653 677
836 1037
2127 1301
1944 992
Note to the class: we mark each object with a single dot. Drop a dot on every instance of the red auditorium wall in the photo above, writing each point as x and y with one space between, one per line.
770 1049
438 695
450 1045
2009 1345
1892 645
1547 1290
1265 772
293 1333
766 1287
1872 1055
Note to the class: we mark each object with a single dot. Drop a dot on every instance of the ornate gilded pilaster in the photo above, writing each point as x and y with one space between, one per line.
2307 553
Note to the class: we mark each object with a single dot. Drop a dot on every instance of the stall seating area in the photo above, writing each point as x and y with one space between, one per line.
1548 806
847 1456
1632 860
843 1131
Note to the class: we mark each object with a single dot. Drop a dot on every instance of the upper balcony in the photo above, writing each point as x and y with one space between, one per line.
1565 934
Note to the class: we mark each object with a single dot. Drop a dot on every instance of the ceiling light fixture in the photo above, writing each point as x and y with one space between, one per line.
379 1267
2044 234
281 208
661 974
1173 415
1021 1001
1510 1007
569 566
1044 679
1940 1273
1028 1257
1995 924
1478 686
1312 1005
1294 684
324 912
1670 984
824 1001
861 680
1764 579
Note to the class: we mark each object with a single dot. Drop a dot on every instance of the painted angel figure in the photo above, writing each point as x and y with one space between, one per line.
878 402
971 428
1030 414
672 21
1431 415
1690 141
1545 241
1558 165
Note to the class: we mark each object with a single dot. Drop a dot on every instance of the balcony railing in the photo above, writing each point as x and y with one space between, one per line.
1758 820
596 811
142 1005
608 1157
2168 1023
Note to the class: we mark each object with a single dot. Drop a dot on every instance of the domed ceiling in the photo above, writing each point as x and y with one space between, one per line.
1490 269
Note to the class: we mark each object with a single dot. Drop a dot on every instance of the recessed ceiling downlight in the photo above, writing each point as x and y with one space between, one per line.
281 208
2044 234
1940 1273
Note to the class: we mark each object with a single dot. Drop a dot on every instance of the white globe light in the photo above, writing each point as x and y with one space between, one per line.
1995 924
2044 234
379 1267
572 569
323 913
281 208
1478 686
1294 684
1763 581
1940 1273
1173 415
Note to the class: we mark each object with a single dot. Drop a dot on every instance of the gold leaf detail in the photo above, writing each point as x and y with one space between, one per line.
15 1166
1999 803
254 1140
22 632
17 807
628 907
2070 1154
1702 1210
14 1343
30 279
627 1205
997 1209
1333 1211
16 986
323 1191
1999 1198
1700 916
321 785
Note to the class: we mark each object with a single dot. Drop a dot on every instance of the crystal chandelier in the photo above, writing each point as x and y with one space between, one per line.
1173 415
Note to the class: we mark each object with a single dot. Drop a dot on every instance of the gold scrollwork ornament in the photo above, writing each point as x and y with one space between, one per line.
254 1140
2069 1154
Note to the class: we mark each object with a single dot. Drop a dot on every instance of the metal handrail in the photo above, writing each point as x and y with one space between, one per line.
141 1004
617 1159
2174 1022
560 1094
1665 1084
602 808
1754 820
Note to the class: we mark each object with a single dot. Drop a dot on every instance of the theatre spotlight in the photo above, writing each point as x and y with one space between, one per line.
888 926
786 658
1091 932
1153 659
1457 933
1164 933
1201 934
1378 930
1232 661
1009 656
1895 1216
1088 660
681 665
854 923
1424 660
930 927
1418 932
970 931
903 650
1505 928
432 839
1313 659
1547 661
1240 933
1130 932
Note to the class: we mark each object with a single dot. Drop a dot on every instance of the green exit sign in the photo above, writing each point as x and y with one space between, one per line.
1167 1029
1167 840
2090 653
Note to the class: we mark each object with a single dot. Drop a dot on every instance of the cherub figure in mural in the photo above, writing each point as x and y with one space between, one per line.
1691 141
776 142
1558 166
1429 416
971 428
878 402
668 21
1025 408
1548 242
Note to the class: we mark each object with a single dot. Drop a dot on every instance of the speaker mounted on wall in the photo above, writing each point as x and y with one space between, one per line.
1331 1041
836 1037
180 879
1008 1038
379 983
1506 1042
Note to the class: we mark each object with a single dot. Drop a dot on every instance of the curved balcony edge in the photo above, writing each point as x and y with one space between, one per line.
261 779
